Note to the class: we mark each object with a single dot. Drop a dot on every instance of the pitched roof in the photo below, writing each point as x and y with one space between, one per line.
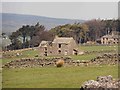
63 40
110 36
44 43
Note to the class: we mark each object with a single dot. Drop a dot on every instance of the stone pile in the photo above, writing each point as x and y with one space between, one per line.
41 62
102 83
33 62
23 63
107 58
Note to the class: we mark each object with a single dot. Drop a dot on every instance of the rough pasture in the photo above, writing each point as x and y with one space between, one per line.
53 77
65 77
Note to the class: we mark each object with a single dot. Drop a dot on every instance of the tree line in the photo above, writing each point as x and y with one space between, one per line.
31 35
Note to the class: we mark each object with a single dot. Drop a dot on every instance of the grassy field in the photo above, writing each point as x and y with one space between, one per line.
98 48
85 57
25 54
52 77
32 53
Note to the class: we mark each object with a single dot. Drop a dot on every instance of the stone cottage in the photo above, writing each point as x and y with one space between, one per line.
110 39
59 46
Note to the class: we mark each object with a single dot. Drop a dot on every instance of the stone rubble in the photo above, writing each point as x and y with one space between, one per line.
102 83
107 59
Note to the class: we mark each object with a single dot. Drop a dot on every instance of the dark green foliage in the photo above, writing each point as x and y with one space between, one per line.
16 44
81 32
36 34
76 30
88 31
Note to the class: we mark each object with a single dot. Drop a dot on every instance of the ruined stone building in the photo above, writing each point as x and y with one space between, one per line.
59 46
110 38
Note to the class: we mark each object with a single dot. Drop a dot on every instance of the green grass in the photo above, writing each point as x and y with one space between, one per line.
25 54
98 48
32 53
52 77
0 79
0 61
84 57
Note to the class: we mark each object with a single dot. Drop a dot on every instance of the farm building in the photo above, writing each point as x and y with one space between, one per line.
59 46
110 38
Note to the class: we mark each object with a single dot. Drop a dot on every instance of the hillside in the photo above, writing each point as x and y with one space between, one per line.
11 22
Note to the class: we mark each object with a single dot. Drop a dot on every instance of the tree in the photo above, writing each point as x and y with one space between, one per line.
3 35
44 35
76 30
24 32
96 29
27 31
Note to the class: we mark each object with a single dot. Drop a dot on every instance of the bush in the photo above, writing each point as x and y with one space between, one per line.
60 63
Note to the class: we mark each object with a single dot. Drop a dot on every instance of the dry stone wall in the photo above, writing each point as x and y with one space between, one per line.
108 59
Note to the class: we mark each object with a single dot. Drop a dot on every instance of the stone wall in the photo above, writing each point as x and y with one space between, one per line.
107 59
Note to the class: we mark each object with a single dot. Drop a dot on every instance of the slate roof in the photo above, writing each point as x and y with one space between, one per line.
65 40
44 43
110 36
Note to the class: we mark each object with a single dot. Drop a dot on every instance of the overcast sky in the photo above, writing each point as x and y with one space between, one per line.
70 10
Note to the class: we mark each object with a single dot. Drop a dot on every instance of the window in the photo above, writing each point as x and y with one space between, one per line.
59 51
75 52
45 53
59 45
45 48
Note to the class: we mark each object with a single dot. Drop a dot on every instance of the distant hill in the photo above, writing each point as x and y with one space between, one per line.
12 22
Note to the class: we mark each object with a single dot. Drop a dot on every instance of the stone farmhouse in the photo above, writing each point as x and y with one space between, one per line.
110 38
59 46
